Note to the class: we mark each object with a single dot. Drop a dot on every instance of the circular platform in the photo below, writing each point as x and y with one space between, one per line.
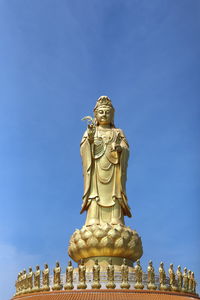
106 295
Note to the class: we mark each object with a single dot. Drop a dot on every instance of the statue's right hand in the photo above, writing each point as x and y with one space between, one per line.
91 132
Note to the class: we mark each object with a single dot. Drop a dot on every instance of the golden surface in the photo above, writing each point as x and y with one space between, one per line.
124 272
57 285
110 276
82 276
104 152
105 240
69 277
96 275
37 275
172 278
151 277
138 276
45 278
162 279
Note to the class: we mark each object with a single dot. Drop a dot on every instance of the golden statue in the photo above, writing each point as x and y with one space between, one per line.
151 277
110 275
189 281
17 284
24 282
82 276
20 287
162 277
179 278
172 278
96 275
193 283
69 277
138 276
37 279
45 278
185 281
30 280
56 277
124 272
104 152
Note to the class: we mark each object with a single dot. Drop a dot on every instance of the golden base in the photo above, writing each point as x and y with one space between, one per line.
105 241
117 261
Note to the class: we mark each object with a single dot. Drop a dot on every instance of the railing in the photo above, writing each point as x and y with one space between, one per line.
123 277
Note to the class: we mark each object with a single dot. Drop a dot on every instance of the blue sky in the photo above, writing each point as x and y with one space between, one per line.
56 59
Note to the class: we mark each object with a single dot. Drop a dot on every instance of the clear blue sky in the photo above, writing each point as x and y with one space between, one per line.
56 59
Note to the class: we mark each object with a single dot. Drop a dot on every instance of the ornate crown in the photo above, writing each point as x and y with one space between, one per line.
104 100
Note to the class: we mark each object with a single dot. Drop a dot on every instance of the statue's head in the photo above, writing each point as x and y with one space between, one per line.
124 261
171 266
37 267
150 263
179 267
96 261
104 111
161 264
69 263
82 262
57 264
185 270
46 266
30 269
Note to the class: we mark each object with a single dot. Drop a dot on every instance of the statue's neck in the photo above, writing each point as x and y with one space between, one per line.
104 126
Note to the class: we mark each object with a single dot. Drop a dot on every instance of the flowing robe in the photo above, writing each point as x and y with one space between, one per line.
104 171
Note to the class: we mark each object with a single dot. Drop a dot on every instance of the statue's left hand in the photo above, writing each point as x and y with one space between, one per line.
116 147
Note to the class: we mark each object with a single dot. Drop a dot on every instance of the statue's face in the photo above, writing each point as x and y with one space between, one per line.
104 115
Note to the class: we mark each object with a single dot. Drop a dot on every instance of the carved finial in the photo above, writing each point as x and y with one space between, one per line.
138 276
124 272
96 275
20 283
110 276
30 280
69 277
56 277
82 275
162 277
17 287
179 278
172 278
189 281
193 283
45 278
151 277
37 274
185 281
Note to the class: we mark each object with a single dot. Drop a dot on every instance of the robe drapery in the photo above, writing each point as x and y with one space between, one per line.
104 172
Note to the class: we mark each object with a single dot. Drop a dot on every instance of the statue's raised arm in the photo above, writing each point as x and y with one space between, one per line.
104 152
